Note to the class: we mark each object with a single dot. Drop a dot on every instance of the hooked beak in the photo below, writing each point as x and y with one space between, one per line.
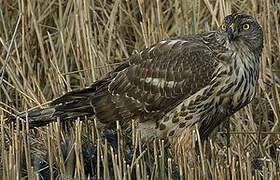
231 33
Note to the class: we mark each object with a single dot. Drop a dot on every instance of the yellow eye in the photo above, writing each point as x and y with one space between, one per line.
246 26
224 27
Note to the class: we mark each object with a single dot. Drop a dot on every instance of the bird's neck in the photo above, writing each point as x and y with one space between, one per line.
239 77
245 64
233 87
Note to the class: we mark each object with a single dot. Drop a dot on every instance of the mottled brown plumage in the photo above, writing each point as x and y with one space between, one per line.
173 85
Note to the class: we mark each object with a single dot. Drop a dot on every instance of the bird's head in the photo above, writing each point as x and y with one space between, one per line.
240 30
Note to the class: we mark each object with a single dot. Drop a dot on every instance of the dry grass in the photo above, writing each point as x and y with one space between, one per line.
50 47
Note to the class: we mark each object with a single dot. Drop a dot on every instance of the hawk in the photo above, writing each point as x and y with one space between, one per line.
173 85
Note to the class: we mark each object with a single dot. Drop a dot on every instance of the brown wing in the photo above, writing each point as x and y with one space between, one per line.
157 80
149 85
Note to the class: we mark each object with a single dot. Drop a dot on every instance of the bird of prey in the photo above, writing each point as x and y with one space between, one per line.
173 85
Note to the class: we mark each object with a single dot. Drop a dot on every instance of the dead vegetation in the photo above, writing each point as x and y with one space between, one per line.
50 47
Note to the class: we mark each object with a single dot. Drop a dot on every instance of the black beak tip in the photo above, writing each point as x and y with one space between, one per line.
231 35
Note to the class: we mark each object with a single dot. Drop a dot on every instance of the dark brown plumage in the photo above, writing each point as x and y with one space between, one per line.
169 87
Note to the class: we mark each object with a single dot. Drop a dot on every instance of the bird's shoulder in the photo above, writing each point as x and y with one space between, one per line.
168 72
204 44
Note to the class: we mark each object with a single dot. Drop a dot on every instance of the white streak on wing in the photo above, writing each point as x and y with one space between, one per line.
140 53
132 98
170 84
152 48
169 43
159 82
148 79
161 85
172 42
109 86
156 81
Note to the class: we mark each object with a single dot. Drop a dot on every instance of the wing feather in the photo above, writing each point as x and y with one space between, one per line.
150 84
163 76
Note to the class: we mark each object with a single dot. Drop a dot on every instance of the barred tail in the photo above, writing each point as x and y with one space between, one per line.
36 118
42 117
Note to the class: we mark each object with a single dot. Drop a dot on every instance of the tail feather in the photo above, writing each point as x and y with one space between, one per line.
70 106
95 100
35 118
42 117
